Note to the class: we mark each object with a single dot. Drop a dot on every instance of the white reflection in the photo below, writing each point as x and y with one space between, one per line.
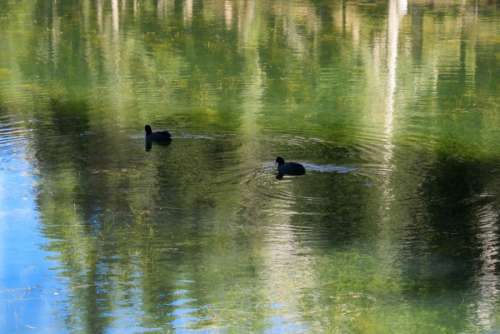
250 149
161 8
188 11
487 278
403 7
288 267
228 14
288 270
115 15
392 58
56 26
393 38
294 39
356 31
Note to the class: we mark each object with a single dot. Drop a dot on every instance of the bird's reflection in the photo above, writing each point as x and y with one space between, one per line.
149 143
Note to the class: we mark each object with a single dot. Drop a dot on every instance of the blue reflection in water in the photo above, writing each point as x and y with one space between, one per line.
181 301
26 282
280 325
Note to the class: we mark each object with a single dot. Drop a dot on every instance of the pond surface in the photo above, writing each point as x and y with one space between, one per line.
392 107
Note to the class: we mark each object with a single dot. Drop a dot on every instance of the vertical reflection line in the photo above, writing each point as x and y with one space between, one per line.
116 27
160 9
284 270
115 15
385 243
115 50
487 278
252 102
395 7
280 246
55 32
99 15
393 35
86 9
470 25
228 14
188 11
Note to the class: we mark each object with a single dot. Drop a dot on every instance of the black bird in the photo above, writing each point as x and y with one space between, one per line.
289 168
160 137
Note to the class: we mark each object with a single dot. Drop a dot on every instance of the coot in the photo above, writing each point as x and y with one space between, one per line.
157 136
289 168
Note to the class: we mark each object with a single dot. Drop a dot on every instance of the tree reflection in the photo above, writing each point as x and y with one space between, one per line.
196 234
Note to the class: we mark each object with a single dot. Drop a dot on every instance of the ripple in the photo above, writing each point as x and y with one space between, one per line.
322 148
328 168
12 133
186 136
194 136
293 195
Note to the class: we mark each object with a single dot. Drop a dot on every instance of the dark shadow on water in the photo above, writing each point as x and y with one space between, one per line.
149 143
443 248
70 116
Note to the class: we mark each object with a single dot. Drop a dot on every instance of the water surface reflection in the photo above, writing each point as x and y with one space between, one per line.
390 106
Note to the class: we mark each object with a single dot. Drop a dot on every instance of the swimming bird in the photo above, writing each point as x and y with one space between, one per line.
289 168
158 136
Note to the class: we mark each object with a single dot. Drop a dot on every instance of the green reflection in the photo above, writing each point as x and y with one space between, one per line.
199 235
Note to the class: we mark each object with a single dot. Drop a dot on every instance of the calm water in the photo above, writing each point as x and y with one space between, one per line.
392 106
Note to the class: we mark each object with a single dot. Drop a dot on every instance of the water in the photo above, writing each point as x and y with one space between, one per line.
391 106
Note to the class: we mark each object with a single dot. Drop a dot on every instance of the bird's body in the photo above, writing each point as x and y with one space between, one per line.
158 136
289 168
